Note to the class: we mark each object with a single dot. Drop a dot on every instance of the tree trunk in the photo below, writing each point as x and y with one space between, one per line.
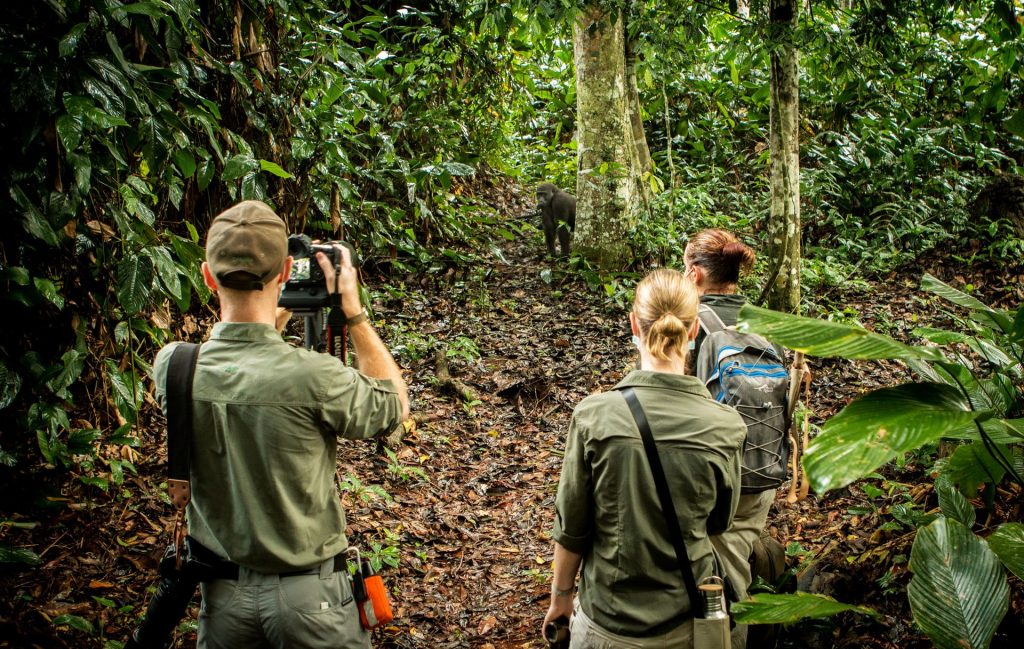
636 122
784 141
607 187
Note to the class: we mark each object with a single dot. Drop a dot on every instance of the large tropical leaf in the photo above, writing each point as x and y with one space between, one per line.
952 502
973 466
134 282
765 608
826 339
958 593
986 315
1008 544
875 428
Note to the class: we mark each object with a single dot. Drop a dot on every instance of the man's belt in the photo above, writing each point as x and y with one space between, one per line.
229 570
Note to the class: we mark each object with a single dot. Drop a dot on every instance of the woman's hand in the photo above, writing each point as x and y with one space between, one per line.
561 606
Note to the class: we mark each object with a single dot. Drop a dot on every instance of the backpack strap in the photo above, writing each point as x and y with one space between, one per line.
180 371
665 496
709 320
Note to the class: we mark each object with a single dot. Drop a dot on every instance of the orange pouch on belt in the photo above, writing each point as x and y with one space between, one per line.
375 610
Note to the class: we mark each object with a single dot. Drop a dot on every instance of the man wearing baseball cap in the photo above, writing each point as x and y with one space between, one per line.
266 417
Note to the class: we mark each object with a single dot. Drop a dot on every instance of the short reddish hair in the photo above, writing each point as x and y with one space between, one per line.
722 256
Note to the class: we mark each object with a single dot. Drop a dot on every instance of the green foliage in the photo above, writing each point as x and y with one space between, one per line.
385 552
364 493
959 592
402 471
18 555
766 608
128 125
1008 544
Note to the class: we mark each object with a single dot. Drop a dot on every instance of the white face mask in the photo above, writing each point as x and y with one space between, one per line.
636 341
692 345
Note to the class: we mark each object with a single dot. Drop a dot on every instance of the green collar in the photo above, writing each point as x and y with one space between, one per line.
663 381
245 332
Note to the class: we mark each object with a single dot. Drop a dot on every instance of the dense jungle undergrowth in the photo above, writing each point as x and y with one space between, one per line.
458 514
417 130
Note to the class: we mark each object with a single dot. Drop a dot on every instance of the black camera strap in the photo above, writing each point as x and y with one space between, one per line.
665 496
181 369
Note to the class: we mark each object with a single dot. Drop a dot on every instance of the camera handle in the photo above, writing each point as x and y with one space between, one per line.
312 328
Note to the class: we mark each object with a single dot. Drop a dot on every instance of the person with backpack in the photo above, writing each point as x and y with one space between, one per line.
651 469
747 373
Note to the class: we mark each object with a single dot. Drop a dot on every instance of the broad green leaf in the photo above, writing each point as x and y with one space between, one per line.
134 283
69 128
952 502
185 162
34 220
1000 431
72 364
166 270
1015 124
82 165
766 608
206 172
973 466
991 316
934 285
151 9
126 389
18 555
49 290
879 426
69 43
826 339
274 168
958 593
75 622
253 188
940 336
83 441
1008 544
1018 325
238 166
458 169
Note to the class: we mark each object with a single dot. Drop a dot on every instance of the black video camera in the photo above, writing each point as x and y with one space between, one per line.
305 288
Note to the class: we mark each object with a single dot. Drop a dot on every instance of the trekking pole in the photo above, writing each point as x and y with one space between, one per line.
805 483
796 372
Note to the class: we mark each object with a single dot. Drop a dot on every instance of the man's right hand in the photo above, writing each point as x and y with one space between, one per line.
346 280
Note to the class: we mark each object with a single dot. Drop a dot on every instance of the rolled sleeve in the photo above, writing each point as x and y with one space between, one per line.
356 406
574 503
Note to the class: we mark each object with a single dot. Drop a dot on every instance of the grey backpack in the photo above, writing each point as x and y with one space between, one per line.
747 372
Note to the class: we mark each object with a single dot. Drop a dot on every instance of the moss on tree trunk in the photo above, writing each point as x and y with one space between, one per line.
607 188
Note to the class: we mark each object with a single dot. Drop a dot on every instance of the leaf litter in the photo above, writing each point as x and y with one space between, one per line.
496 360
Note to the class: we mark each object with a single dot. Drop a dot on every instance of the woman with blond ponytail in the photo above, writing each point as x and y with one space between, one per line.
609 524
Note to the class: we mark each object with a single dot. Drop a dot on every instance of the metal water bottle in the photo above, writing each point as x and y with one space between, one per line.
712 630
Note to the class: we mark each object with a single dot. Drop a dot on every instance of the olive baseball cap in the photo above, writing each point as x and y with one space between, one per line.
246 246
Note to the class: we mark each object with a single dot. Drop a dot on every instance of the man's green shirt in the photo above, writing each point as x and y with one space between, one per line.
607 507
266 416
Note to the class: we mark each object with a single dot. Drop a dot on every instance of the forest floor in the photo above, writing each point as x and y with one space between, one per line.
496 359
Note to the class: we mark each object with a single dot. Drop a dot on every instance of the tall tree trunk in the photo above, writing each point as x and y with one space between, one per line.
636 122
784 142
607 187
